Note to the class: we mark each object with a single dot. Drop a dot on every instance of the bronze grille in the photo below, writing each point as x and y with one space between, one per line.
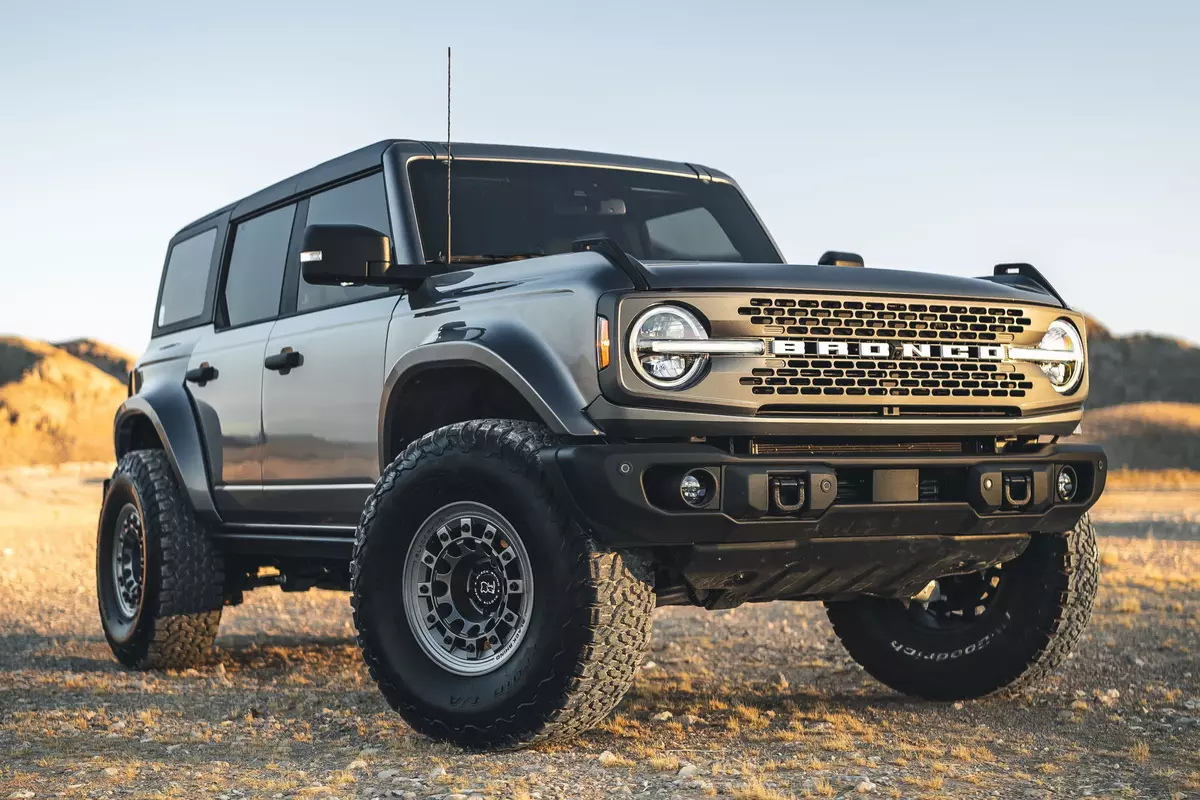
866 319
887 320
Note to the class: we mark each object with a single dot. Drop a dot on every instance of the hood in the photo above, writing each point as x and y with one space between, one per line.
795 278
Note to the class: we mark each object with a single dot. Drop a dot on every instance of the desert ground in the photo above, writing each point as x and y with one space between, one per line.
757 702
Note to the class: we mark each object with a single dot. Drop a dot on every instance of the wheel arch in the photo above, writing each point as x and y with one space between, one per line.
434 385
164 420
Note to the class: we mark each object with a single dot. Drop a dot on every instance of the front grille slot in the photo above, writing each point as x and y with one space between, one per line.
784 448
785 409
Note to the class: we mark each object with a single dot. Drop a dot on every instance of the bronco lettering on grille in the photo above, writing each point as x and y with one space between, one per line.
809 347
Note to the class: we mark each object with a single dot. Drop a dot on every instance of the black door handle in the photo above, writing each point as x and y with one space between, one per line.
284 361
201 375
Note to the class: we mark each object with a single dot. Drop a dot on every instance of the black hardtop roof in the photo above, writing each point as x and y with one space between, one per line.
371 157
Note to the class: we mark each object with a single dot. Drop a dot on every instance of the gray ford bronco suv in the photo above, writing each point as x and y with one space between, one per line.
593 387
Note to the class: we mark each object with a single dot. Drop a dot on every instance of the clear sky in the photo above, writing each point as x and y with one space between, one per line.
943 136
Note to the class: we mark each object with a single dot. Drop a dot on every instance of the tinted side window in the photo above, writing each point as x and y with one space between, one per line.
255 277
186 281
363 202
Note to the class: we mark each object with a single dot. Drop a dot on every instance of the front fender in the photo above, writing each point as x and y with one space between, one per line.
518 357
169 409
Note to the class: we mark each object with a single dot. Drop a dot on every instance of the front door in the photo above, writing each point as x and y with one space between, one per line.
321 408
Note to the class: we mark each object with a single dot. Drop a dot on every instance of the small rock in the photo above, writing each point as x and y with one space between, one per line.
18 795
119 725
1139 662
436 773
171 748
700 785
865 786
662 716
8 553
688 771
455 796
649 665
387 774
357 763
608 758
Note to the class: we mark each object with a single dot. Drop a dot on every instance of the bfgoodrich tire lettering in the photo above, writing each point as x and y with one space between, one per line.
1043 605
179 605
590 621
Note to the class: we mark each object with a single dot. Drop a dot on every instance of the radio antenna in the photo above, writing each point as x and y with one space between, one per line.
448 156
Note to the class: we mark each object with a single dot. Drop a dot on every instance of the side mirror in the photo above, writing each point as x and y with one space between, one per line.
835 258
340 254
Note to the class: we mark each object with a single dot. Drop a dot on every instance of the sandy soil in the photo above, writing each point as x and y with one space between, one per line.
758 702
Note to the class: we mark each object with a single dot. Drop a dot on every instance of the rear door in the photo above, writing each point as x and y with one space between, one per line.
321 417
225 373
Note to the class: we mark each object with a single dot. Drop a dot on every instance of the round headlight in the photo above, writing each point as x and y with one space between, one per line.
666 370
1064 337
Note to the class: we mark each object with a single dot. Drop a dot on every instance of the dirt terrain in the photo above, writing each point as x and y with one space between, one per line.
758 702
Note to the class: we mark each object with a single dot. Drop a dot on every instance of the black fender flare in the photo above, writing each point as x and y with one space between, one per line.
524 362
169 410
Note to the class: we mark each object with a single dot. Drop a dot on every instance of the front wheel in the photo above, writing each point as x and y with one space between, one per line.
486 615
1004 627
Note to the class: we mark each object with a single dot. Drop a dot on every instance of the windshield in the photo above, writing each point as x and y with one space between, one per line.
513 209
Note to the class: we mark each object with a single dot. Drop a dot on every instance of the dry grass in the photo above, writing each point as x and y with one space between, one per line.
1140 752
753 789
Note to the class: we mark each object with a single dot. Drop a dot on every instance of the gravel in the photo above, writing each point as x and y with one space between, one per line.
756 702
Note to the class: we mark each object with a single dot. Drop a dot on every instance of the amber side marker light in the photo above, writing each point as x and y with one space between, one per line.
603 343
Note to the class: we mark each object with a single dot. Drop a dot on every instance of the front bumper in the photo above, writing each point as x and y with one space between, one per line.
628 494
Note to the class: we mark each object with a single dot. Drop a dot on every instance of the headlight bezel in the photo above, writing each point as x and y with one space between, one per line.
1069 333
697 363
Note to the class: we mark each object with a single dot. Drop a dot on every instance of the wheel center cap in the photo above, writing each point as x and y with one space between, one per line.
484 587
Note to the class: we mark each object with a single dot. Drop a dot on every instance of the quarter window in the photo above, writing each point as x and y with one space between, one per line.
254 281
361 202
185 286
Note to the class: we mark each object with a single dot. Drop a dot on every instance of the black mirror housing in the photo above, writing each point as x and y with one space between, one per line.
340 254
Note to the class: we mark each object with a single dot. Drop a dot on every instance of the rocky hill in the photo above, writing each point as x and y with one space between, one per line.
57 402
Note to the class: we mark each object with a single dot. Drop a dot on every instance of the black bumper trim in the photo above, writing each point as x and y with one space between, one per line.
611 489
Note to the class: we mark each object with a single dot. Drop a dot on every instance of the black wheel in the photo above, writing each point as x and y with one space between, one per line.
158 578
974 634
486 615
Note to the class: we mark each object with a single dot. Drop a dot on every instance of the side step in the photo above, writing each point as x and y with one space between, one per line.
325 543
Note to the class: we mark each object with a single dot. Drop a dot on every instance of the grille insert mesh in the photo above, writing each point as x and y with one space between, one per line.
887 320
891 320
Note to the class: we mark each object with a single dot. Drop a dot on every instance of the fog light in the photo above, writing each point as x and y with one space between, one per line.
1068 484
696 488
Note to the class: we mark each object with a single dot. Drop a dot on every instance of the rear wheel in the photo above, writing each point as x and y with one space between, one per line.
1006 626
158 578
486 615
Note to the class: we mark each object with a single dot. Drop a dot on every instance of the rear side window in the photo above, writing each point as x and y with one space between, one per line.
186 282
362 202
254 280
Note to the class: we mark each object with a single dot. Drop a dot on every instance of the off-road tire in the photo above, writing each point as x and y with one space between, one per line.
590 622
1042 606
181 599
